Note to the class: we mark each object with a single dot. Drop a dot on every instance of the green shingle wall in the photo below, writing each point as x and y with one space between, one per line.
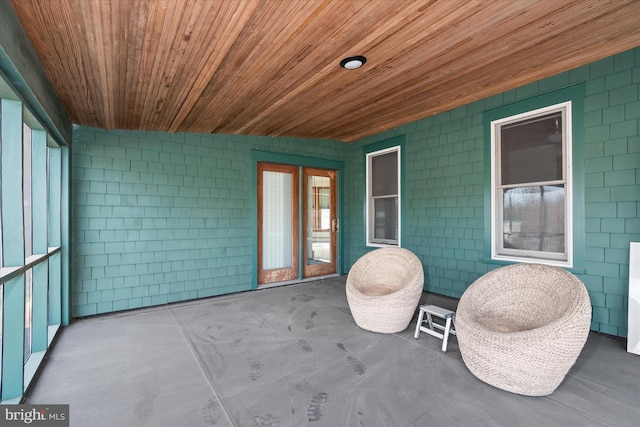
444 187
612 164
166 217
161 217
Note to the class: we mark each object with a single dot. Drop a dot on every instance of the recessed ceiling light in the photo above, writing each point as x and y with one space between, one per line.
353 62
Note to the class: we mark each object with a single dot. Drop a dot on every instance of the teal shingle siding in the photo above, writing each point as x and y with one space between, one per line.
162 217
444 186
159 217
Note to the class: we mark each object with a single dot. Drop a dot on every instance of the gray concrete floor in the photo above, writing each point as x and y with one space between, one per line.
292 356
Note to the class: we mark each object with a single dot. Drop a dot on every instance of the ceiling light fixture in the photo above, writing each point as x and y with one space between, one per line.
353 62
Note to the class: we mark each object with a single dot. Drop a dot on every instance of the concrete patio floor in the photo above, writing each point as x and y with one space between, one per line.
293 356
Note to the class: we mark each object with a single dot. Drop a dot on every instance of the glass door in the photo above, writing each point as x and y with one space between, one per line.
278 224
320 222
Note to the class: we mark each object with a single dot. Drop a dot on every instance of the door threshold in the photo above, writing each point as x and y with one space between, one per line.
298 281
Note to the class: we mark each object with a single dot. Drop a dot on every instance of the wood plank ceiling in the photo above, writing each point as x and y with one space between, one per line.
271 67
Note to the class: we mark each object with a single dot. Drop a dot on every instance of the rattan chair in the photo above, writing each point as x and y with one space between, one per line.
521 327
383 289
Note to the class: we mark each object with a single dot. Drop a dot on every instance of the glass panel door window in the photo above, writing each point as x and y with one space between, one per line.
278 248
531 207
277 211
320 222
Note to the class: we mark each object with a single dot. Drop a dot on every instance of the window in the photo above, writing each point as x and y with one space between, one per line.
1 330
531 186
383 197
34 177
28 242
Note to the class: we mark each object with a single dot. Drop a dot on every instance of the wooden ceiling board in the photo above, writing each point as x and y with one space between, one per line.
390 50
320 95
397 80
270 67
404 75
466 83
295 70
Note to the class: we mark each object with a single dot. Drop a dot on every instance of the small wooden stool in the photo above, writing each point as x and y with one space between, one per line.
443 313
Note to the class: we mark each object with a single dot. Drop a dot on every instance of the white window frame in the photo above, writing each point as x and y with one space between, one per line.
369 201
498 252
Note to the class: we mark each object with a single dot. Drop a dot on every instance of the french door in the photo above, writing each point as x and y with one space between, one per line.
284 235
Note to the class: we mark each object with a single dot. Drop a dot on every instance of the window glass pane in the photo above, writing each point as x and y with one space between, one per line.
277 199
318 200
26 180
48 189
534 218
385 223
28 313
384 174
1 329
318 211
1 249
531 150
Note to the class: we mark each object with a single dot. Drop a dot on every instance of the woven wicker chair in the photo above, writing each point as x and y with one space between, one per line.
383 289
521 327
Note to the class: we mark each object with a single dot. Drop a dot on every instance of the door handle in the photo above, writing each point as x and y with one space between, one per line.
334 225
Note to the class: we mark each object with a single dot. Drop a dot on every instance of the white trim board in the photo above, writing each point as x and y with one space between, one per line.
633 335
